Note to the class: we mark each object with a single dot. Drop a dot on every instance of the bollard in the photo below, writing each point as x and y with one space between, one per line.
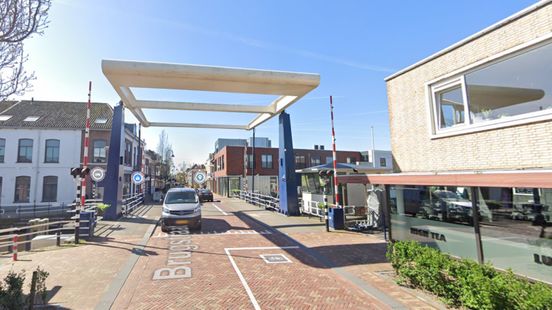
33 290
326 213
58 238
77 226
14 256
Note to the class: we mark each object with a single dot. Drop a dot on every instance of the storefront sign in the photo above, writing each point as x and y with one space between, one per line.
427 234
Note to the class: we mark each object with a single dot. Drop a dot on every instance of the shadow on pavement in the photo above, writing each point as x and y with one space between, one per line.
330 256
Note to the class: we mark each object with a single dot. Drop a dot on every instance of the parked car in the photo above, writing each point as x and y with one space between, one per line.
447 206
205 195
181 207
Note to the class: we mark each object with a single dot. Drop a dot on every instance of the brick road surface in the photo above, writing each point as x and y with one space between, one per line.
80 275
334 270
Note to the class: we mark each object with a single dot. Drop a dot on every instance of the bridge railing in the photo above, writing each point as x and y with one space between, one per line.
258 199
16 213
131 202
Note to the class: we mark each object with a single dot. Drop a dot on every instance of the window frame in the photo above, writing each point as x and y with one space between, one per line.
436 84
54 199
15 196
94 151
46 151
19 151
264 163
3 148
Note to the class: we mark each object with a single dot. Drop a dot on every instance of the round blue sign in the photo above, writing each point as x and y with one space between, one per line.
137 177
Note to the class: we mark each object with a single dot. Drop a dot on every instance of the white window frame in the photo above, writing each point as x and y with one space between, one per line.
444 86
457 77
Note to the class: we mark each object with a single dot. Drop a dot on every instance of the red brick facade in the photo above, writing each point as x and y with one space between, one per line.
230 160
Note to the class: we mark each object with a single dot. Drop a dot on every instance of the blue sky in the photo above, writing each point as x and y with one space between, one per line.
353 45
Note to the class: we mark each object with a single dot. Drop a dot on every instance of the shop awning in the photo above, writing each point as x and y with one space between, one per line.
535 178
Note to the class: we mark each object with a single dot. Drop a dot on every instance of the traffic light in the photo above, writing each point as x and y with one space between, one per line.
79 172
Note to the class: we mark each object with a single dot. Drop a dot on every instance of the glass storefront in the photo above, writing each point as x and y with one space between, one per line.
437 216
515 224
518 235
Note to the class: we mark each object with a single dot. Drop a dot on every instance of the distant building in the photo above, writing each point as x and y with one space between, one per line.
221 143
260 142
379 158
230 168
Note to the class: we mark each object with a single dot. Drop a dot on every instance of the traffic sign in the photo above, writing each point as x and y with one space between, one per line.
97 174
199 177
137 177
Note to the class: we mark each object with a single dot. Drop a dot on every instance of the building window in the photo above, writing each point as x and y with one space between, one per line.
22 189
49 189
266 161
222 162
25 154
128 153
351 160
2 149
513 88
383 162
99 154
300 161
52 151
249 161
329 159
315 160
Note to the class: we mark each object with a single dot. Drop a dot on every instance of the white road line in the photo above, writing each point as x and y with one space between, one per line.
214 205
240 275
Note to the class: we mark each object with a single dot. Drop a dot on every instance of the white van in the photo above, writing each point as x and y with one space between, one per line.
181 207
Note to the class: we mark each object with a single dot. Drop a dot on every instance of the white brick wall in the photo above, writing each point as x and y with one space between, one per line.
524 146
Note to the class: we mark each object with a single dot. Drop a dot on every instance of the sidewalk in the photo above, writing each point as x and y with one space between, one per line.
81 275
359 258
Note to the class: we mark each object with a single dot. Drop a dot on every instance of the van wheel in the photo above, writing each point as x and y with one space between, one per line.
164 228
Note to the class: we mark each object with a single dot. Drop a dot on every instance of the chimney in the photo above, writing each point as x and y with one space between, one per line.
316 146
321 147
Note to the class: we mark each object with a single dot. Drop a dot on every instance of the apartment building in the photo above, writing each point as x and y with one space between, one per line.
40 141
471 137
230 166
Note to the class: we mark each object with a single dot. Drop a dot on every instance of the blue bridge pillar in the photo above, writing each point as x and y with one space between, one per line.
287 181
113 182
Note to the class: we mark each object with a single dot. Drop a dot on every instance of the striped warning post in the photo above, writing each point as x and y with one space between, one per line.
336 188
86 139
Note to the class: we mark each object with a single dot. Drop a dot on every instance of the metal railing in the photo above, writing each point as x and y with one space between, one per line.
132 202
258 199
312 208
17 239
12 213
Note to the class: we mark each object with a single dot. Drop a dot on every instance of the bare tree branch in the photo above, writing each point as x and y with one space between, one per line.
20 19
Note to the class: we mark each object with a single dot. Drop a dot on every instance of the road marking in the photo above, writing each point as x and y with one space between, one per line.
240 275
214 205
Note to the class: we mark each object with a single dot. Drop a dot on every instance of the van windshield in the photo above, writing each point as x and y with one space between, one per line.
180 197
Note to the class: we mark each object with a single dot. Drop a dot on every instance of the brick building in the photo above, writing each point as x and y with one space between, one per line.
229 166
471 135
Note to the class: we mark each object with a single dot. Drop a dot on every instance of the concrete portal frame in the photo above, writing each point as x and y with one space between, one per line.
288 86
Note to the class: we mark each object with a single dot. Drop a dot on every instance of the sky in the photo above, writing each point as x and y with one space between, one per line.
353 45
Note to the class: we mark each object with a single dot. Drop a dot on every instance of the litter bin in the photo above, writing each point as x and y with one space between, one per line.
87 228
335 217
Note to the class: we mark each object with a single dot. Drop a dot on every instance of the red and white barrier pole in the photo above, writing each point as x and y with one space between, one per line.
86 143
14 248
336 187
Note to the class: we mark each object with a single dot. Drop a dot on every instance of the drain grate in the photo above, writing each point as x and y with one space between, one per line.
275 258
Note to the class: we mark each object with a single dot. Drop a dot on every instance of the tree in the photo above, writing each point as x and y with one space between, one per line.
19 20
164 149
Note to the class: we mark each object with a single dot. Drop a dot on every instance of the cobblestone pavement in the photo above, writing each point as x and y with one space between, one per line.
246 257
